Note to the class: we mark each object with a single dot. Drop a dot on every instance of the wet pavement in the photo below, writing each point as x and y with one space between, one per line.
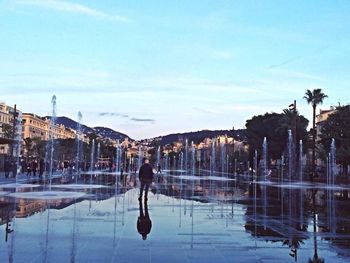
189 219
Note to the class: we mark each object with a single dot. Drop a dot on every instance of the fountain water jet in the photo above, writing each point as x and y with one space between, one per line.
79 147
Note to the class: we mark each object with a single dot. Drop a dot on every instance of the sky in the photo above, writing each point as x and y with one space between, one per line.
150 68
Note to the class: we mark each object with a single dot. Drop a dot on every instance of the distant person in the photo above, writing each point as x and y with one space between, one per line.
41 167
29 169
7 168
159 170
14 169
34 165
144 223
146 177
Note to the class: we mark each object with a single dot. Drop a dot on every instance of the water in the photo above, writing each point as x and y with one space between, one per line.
50 150
223 157
92 157
98 155
79 147
264 160
18 142
64 226
331 200
301 162
118 157
158 156
186 154
213 157
290 155
139 156
256 164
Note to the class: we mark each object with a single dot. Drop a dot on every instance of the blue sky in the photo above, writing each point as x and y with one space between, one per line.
149 68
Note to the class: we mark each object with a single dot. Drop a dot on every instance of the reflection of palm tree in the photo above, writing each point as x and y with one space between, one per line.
315 258
293 243
314 98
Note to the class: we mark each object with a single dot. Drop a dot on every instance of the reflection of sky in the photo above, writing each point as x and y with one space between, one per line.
105 230
158 67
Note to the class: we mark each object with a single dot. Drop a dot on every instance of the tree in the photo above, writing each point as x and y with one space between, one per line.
7 131
274 126
314 98
337 127
28 145
39 147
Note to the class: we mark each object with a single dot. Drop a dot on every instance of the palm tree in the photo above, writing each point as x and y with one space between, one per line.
314 98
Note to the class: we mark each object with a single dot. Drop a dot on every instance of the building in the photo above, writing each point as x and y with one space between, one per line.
7 115
35 126
322 117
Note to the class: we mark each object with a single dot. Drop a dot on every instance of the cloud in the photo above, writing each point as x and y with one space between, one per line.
294 74
113 114
142 120
286 62
220 54
70 7
206 111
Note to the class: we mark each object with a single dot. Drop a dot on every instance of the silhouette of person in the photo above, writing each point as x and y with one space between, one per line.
159 170
144 223
146 178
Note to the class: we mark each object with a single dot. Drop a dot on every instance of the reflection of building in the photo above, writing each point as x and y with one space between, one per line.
27 207
35 126
6 212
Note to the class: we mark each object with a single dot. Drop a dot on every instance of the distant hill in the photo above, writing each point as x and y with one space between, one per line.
109 133
102 131
199 136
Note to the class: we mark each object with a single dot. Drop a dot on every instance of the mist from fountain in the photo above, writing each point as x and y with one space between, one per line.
290 155
301 162
50 151
18 142
158 156
186 154
139 160
92 159
255 165
213 157
79 147
223 155
118 154
330 187
264 165
98 154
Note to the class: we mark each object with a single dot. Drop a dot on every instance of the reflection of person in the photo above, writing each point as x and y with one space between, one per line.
159 171
144 223
146 177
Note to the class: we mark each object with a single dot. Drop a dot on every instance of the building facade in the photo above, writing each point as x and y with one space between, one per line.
35 126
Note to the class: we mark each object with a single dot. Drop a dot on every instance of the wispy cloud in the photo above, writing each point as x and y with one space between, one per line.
221 54
113 114
133 119
294 74
283 63
69 7
142 120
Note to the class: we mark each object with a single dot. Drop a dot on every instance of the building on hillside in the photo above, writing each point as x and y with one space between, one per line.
322 117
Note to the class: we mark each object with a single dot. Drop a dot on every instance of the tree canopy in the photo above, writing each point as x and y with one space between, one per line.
274 126
337 126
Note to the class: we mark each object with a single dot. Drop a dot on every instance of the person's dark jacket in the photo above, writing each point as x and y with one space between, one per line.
146 173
